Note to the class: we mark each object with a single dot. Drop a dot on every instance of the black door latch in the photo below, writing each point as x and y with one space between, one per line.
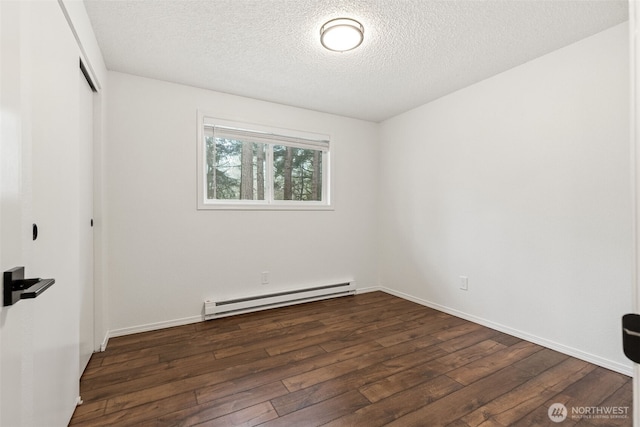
16 287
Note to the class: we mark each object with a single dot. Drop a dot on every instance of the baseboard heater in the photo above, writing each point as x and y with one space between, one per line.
215 309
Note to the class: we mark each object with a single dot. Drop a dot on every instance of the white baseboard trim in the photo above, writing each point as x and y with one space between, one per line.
369 289
570 351
154 326
105 341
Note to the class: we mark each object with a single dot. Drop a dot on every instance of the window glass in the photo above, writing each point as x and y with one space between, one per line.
253 167
235 169
297 173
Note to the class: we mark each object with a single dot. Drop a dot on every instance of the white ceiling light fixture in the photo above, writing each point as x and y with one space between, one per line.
341 34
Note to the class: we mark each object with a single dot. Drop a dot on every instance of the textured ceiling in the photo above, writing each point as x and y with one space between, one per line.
414 51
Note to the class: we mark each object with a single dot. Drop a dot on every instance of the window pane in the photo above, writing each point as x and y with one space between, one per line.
235 169
297 173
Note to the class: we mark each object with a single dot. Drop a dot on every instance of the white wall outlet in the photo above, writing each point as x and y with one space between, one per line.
464 283
264 277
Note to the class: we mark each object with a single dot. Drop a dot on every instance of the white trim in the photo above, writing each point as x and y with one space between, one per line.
105 341
570 351
155 326
370 289
265 207
274 136
634 137
211 120
636 398
83 52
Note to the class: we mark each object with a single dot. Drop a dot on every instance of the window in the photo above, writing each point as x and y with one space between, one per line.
244 166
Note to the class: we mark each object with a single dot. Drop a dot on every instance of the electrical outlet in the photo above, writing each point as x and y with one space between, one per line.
464 283
265 277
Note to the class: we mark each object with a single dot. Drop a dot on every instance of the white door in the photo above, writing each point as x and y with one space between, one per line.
12 228
39 337
85 182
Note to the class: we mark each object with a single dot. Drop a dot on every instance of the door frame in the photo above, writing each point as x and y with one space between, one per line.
91 58
634 59
86 92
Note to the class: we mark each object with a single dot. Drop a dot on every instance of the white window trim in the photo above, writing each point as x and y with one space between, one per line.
204 204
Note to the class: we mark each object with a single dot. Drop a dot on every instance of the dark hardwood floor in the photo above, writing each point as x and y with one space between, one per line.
367 360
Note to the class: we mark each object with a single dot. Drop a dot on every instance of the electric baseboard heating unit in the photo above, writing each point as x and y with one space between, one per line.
215 309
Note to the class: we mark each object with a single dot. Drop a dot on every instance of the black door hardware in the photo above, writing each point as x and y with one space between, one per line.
16 287
631 336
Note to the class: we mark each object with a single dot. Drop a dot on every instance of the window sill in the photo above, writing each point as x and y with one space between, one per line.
262 207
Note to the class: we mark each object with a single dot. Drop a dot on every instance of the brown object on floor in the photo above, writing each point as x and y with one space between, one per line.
367 360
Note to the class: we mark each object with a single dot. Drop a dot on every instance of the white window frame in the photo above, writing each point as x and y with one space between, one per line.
271 138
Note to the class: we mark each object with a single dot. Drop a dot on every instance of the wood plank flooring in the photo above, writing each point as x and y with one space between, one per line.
366 360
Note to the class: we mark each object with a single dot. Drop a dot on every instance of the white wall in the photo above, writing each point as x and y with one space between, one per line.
522 183
165 257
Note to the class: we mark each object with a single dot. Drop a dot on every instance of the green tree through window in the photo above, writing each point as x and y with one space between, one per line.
297 173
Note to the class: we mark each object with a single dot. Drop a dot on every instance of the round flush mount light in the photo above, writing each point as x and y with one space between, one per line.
341 34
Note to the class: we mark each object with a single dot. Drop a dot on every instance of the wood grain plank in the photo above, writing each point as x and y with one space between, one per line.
354 380
594 388
250 341
402 380
494 362
291 369
148 411
342 367
113 369
357 336
622 399
317 311
110 376
411 377
468 340
323 412
203 381
513 406
385 411
459 403
107 386
372 313
463 328
468 354
540 361
225 406
88 411
252 416
151 338
540 415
